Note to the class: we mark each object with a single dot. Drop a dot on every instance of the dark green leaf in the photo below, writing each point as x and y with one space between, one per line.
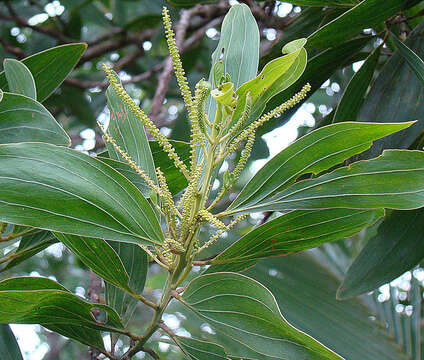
201 350
396 97
293 232
29 245
306 291
9 348
189 3
99 256
29 300
393 180
414 61
50 67
330 3
397 247
353 97
19 78
366 14
313 153
63 190
129 134
247 313
23 119
136 264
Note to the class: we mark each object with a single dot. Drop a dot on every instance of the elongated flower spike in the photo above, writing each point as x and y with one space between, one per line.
176 60
153 130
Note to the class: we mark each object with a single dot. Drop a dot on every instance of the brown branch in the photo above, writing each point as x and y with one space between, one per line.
12 49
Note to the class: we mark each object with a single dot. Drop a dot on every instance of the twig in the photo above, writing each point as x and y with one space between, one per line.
12 49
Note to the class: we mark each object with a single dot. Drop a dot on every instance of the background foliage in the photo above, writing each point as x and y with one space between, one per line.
342 34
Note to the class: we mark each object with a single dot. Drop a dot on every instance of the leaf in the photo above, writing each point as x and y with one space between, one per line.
128 133
19 78
50 67
63 190
313 153
394 180
330 3
413 60
275 77
9 348
388 103
366 14
318 70
306 290
99 256
397 248
29 245
29 300
247 313
293 232
200 350
23 119
238 48
136 265
353 97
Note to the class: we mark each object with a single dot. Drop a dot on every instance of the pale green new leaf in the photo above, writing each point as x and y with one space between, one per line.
394 180
293 232
9 348
23 119
63 190
313 153
29 300
19 78
249 317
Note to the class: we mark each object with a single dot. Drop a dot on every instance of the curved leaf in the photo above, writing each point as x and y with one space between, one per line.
23 119
9 348
19 78
50 67
29 300
63 190
136 264
397 247
313 153
393 180
99 256
293 232
247 313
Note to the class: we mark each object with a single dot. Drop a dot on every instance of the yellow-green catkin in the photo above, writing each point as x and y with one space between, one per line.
166 194
153 130
264 118
243 157
176 60
209 217
216 236
243 118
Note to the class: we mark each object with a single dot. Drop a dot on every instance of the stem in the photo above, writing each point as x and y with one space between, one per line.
14 236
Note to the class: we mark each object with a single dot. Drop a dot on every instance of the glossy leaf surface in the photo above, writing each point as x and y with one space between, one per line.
99 256
247 313
50 67
63 190
23 119
9 348
393 180
29 300
397 248
293 232
313 153
19 78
